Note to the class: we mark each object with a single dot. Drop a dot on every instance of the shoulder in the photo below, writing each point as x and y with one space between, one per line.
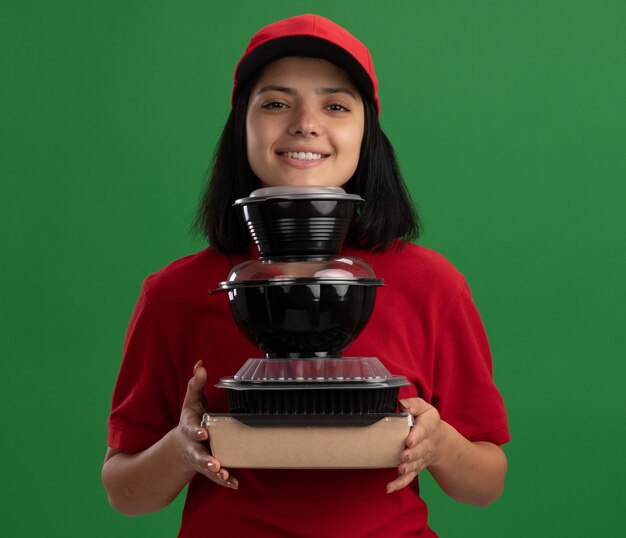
419 283
414 267
410 255
202 270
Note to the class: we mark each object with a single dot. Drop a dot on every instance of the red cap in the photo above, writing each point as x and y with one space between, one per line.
312 36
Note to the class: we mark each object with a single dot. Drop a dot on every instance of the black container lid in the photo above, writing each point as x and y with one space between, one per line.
298 193
337 270
313 370
328 384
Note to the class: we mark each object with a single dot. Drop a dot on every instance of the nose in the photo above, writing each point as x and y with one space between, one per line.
306 121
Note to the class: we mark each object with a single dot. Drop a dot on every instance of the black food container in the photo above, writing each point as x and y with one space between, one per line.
317 386
306 308
302 318
302 313
298 221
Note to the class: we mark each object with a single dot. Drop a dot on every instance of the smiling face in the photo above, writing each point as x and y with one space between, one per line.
304 124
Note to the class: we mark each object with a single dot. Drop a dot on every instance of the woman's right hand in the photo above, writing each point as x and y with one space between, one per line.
192 436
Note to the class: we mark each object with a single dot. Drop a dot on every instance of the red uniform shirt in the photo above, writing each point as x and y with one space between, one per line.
424 326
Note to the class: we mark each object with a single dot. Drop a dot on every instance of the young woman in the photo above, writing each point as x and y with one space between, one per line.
305 112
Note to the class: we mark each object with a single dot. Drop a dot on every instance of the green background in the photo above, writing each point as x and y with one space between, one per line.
509 122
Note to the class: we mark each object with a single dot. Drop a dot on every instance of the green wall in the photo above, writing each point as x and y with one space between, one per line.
509 121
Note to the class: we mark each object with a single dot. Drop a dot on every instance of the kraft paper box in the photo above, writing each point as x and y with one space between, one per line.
307 442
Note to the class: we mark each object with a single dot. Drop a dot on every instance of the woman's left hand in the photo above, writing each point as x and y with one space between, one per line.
422 444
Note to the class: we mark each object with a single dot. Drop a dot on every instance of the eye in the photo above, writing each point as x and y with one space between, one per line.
338 107
274 105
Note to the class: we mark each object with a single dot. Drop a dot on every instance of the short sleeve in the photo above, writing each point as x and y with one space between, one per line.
146 400
464 392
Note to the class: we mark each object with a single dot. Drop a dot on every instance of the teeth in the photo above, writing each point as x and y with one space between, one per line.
302 155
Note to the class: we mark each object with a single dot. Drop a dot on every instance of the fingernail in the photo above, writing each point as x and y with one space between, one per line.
200 433
390 489
407 459
221 476
210 464
199 363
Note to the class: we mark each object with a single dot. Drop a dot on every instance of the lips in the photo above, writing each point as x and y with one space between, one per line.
303 155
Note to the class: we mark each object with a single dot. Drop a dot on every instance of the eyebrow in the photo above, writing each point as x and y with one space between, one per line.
340 89
319 91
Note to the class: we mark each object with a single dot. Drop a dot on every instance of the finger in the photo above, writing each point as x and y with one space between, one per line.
407 404
425 424
408 455
198 457
419 433
415 406
414 453
194 398
191 426
211 464
211 467
223 478
196 383
230 482
400 482
416 435
414 466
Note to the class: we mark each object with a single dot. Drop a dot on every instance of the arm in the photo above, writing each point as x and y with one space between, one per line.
470 472
149 480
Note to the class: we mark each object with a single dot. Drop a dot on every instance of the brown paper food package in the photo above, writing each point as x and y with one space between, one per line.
377 445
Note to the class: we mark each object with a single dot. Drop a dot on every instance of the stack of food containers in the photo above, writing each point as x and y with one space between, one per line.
302 303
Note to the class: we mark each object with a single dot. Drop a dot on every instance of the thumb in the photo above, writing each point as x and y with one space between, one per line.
415 406
194 398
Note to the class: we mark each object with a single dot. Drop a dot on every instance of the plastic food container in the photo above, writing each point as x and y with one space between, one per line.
308 442
313 370
298 220
316 386
301 307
